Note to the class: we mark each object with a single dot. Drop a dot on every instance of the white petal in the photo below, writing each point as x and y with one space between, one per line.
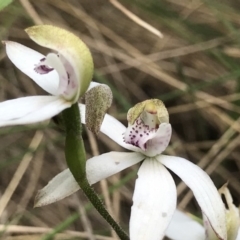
183 227
112 128
28 110
93 84
26 59
238 236
107 164
97 168
203 189
59 187
53 60
160 141
209 232
154 202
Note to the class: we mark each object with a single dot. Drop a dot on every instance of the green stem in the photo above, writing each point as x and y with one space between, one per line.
76 160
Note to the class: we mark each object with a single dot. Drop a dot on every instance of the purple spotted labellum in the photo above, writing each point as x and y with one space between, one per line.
144 129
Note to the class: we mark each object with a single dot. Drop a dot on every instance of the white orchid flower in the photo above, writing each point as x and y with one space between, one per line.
154 199
184 227
65 74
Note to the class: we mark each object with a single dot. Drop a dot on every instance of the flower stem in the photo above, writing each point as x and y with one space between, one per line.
76 160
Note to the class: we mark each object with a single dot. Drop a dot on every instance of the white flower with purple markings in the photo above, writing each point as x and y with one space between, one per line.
65 73
154 198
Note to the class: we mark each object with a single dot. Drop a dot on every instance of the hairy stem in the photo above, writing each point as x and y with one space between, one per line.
76 160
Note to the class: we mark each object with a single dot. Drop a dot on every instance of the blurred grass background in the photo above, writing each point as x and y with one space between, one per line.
194 69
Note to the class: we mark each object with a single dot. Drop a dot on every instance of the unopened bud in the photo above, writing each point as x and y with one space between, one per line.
97 101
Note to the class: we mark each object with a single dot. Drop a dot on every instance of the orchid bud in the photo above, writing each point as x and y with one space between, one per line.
97 100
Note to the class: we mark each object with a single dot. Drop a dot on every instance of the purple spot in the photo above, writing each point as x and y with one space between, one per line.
68 78
43 69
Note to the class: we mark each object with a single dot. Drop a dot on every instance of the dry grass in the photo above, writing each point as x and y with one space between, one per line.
194 68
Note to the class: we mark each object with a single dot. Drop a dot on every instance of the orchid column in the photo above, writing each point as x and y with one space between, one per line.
65 74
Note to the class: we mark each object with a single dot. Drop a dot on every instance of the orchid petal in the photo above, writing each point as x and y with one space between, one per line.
203 189
93 84
112 128
61 186
74 53
154 202
97 168
53 60
238 236
209 232
160 140
26 59
28 110
184 227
